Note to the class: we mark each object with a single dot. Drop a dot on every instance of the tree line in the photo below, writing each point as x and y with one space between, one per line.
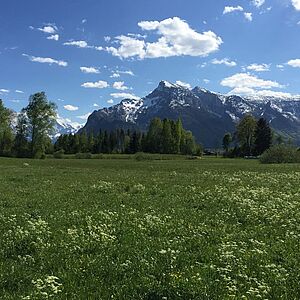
163 136
35 123
252 138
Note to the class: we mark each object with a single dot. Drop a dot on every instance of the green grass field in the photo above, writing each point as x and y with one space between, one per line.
121 229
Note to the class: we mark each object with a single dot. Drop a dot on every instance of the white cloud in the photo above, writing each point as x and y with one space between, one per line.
258 3
107 39
118 73
46 60
96 85
296 4
4 91
281 67
245 81
119 85
110 101
79 44
124 96
51 29
71 107
129 47
177 38
115 75
19 91
224 61
261 93
258 67
184 84
83 21
85 116
206 81
89 70
248 16
295 63
96 105
54 37
230 9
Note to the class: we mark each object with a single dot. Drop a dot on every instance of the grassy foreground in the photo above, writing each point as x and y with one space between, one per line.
122 229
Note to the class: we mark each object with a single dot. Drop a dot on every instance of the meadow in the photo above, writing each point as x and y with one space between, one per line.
210 228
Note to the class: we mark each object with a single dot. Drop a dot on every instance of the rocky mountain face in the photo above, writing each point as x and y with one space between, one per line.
208 115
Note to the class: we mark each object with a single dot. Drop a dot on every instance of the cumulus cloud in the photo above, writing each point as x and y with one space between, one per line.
71 107
115 75
184 84
244 81
89 70
176 38
110 101
96 85
54 37
295 63
79 44
119 85
46 60
118 73
258 3
96 105
296 4
258 67
225 61
230 9
248 16
50 29
124 96
259 93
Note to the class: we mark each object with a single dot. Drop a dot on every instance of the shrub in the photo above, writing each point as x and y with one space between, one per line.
280 154
140 156
59 154
83 155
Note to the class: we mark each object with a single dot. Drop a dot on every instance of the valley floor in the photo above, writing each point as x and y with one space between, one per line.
121 229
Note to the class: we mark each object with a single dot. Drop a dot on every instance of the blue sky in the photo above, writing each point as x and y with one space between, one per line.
88 54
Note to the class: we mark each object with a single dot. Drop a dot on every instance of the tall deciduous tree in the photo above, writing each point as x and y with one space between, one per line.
246 133
41 119
6 135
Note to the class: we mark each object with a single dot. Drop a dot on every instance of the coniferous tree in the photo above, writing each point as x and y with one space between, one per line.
227 139
263 137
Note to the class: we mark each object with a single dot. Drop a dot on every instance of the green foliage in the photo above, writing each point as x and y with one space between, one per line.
280 154
41 117
165 137
6 135
246 133
59 154
227 139
263 137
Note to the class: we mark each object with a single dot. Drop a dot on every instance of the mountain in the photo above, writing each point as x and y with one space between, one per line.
61 126
64 126
207 114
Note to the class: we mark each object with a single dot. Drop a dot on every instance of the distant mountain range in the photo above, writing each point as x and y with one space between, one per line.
61 126
207 114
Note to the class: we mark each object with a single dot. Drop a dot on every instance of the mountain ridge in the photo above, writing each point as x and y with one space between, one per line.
207 114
